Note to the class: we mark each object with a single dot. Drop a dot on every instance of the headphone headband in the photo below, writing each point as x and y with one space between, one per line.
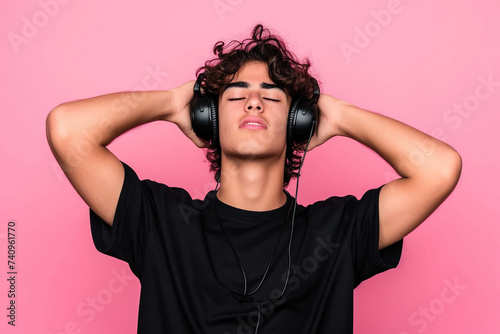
316 91
197 84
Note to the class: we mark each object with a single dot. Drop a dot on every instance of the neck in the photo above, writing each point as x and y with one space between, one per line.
252 185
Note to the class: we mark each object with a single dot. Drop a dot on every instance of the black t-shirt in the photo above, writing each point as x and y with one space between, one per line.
193 258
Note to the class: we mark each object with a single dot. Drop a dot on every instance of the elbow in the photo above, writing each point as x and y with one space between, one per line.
451 169
57 130
455 166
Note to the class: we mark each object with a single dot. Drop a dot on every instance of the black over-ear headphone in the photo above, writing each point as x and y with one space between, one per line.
303 115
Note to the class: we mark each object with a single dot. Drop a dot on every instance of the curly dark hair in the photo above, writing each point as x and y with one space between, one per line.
284 70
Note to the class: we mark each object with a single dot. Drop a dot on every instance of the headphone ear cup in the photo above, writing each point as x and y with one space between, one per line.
200 117
214 120
203 110
302 120
291 121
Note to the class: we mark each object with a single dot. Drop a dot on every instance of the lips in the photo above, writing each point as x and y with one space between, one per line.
253 123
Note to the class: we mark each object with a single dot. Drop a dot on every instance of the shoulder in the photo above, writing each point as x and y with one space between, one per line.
347 201
152 191
341 208
333 204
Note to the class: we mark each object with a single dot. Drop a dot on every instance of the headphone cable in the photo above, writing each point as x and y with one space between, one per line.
245 295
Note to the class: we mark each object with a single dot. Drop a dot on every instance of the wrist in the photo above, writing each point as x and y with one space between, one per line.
167 108
332 111
177 104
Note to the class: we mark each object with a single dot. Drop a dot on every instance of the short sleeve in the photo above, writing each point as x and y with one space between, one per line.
131 224
363 219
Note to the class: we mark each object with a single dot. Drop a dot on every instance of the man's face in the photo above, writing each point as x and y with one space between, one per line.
253 114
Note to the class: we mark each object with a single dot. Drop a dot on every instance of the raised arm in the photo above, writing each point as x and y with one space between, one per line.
79 131
429 168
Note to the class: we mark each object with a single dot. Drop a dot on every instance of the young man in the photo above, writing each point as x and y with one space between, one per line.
246 258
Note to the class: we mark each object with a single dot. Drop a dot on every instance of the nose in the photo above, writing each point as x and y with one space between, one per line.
254 104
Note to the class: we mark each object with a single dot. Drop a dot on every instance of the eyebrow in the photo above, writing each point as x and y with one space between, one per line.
243 84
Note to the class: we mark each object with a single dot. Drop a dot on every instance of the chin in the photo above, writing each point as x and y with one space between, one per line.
254 150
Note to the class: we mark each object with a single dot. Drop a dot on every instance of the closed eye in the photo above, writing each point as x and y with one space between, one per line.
242 98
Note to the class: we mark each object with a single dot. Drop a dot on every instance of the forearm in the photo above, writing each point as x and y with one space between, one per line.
429 168
98 121
412 153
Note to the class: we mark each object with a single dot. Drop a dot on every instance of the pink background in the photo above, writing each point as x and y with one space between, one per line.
417 61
